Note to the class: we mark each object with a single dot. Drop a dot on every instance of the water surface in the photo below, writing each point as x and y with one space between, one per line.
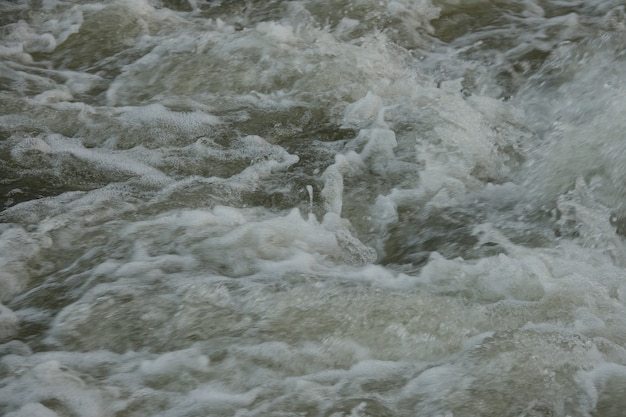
312 208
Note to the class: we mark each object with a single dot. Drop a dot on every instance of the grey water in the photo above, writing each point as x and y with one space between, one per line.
312 208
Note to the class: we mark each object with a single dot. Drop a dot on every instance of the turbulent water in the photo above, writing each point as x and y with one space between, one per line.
313 208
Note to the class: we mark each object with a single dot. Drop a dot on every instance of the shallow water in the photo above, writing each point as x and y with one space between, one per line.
312 208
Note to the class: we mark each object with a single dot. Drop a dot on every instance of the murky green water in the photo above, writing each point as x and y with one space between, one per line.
312 208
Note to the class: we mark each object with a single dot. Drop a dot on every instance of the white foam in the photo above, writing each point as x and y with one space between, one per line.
225 302
108 160
277 32
175 362
365 111
54 96
33 410
582 139
16 247
15 347
217 398
378 151
8 324
157 114
50 380
332 193
267 159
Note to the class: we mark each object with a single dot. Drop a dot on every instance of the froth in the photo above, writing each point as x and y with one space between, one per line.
8 324
582 139
173 362
50 380
312 208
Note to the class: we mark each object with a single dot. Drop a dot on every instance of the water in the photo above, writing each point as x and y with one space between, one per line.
312 208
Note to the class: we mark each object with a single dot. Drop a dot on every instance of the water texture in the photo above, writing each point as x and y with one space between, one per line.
312 208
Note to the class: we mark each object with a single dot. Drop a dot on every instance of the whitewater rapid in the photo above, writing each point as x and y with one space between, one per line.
312 208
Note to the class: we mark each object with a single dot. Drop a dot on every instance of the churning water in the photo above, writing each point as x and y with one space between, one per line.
313 208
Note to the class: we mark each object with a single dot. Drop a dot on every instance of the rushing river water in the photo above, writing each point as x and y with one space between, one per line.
313 208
